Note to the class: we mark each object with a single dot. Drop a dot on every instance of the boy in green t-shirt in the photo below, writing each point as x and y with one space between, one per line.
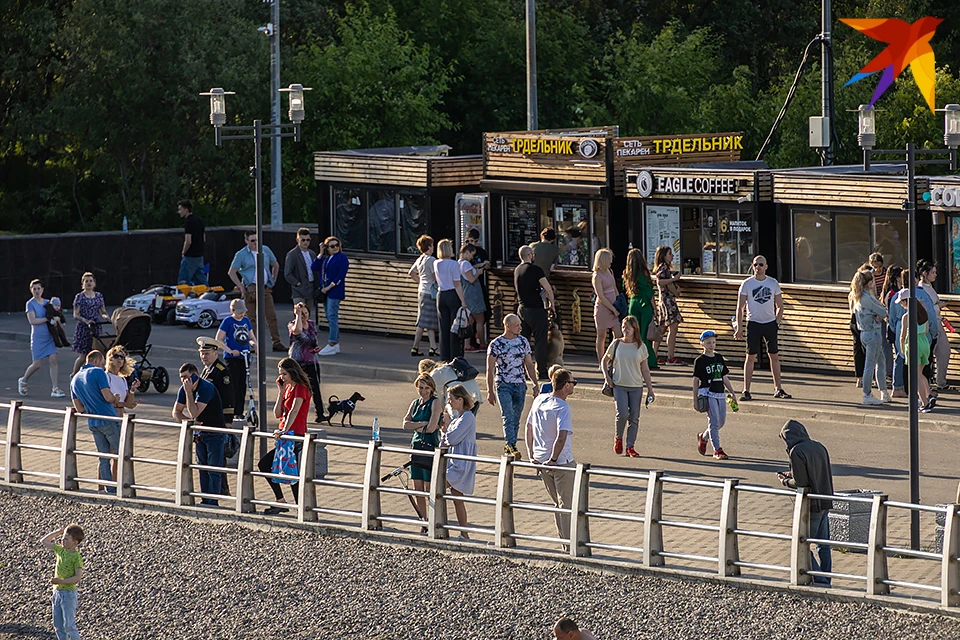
68 572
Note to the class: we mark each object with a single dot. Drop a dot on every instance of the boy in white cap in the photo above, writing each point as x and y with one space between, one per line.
710 377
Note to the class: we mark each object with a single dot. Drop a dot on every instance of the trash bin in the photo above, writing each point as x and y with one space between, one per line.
850 521
320 462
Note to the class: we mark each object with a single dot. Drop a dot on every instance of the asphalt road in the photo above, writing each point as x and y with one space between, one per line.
864 457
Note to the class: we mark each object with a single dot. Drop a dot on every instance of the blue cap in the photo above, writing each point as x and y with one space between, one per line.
707 334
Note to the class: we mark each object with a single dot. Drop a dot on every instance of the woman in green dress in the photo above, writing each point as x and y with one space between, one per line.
927 400
423 418
638 283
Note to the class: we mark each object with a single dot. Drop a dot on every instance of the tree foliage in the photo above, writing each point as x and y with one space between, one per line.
101 119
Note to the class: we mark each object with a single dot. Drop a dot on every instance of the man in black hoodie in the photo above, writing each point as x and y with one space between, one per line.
810 468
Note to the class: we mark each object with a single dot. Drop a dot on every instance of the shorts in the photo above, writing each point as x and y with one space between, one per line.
757 332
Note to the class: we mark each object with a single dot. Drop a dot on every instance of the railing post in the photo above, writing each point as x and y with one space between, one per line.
308 491
652 529
503 523
125 481
950 571
579 522
245 491
729 550
371 497
184 472
876 556
437 511
68 452
799 548
13 462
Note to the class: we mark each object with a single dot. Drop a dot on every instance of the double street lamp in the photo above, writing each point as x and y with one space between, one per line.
867 139
258 132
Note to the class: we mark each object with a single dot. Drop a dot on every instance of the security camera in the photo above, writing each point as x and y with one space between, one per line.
746 198
266 30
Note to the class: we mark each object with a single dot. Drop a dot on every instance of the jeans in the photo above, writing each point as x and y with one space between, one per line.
535 324
65 614
107 439
511 396
191 271
210 452
716 418
628 411
898 371
331 308
820 529
313 372
874 364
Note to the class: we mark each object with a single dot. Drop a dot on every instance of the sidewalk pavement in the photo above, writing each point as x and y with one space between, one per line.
815 397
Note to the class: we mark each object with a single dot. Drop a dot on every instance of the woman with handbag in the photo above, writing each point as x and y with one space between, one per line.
425 417
427 319
626 370
638 285
461 439
470 281
291 407
668 311
303 349
449 299
605 315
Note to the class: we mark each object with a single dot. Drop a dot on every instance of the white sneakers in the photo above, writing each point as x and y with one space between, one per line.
22 386
885 397
57 393
330 350
871 400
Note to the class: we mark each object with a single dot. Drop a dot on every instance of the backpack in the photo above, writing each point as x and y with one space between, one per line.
464 370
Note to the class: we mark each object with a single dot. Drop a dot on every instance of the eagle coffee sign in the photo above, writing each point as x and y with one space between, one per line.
648 184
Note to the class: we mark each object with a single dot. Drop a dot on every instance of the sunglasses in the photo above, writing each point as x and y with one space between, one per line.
333 245
120 355
759 264
574 383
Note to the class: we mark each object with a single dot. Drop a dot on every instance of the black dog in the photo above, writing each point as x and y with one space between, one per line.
345 406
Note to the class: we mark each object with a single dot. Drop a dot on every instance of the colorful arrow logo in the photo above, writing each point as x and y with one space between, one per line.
909 44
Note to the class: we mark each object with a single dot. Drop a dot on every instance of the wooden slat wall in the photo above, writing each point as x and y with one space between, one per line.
404 171
861 191
626 186
545 167
456 171
815 336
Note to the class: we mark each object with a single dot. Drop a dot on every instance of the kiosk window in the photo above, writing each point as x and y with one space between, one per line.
573 232
349 218
829 247
853 244
890 240
382 221
570 219
413 222
522 224
735 248
813 245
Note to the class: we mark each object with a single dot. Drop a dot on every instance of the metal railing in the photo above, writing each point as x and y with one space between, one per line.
370 515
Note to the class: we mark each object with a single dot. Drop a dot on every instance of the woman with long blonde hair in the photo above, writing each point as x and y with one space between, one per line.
870 314
119 368
450 298
638 285
605 315
668 311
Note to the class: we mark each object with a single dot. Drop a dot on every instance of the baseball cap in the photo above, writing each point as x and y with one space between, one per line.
903 294
238 305
707 334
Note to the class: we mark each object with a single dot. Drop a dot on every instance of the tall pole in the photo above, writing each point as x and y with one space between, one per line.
826 77
912 362
531 66
261 313
276 199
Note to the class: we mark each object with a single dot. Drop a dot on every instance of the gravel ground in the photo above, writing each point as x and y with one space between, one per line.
161 576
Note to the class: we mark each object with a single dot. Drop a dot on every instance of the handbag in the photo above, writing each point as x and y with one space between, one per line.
285 462
653 331
461 324
703 403
607 389
318 294
231 447
620 304
464 370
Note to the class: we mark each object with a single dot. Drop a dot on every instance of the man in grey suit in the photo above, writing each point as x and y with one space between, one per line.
296 269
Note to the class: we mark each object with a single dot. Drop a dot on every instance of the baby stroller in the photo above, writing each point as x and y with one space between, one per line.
132 331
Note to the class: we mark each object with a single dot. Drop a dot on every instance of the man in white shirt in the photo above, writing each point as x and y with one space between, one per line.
549 440
761 298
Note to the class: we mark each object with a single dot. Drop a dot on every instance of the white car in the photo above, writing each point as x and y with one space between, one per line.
147 300
206 311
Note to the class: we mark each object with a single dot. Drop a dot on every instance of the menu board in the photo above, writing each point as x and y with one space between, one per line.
522 224
954 255
663 228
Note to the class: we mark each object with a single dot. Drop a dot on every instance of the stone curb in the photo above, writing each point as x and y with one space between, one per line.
266 523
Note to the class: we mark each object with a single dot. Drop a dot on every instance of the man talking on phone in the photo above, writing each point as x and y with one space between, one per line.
199 400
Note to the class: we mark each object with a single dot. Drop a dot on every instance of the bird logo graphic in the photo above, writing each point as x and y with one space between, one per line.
909 44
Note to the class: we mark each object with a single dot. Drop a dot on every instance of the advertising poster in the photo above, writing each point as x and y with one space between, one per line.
663 228
955 255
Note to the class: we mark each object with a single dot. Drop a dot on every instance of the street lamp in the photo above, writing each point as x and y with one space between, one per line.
867 138
257 132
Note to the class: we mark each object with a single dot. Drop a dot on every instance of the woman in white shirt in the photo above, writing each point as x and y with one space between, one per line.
427 319
628 359
119 367
461 439
449 299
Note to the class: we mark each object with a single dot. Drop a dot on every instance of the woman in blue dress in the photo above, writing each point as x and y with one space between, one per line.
41 342
460 436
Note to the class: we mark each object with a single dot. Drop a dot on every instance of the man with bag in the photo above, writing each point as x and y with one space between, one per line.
216 371
202 403
508 358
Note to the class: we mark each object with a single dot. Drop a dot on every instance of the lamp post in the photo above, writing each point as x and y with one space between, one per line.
867 138
258 132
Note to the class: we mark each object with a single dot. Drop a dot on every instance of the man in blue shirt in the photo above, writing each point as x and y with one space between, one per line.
243 272
90 392
202 403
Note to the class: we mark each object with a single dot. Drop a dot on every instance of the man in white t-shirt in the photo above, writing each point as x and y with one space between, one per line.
549 439
762 300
